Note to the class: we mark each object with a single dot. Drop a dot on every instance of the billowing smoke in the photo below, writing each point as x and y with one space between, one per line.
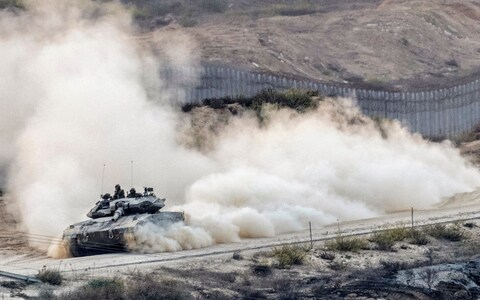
78 91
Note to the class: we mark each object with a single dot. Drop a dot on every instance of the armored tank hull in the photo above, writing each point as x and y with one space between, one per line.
103 235
114 221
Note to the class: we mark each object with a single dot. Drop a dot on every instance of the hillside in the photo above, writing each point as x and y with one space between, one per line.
375 41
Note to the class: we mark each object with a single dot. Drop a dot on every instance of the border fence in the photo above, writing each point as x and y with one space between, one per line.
440 112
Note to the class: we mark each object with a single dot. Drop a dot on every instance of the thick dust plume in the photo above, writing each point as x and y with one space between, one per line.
331 163
79 92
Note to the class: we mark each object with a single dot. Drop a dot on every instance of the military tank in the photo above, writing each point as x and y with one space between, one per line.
113 222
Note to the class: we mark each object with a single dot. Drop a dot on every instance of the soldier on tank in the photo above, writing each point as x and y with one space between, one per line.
133 193
119 193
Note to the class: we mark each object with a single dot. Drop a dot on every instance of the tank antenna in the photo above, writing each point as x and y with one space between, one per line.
103 175
131 174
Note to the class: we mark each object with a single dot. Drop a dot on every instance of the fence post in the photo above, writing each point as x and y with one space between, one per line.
412 219
311 237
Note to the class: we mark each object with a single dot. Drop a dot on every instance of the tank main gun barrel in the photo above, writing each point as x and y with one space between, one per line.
118 213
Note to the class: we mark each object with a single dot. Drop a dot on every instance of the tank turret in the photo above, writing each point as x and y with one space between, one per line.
113 222
134 203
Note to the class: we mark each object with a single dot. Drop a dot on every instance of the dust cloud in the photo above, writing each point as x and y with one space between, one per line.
84 93
78 91
329 164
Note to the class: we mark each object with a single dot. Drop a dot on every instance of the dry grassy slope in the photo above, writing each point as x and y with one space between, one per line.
390 40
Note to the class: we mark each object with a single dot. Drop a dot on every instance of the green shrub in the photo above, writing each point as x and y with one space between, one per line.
343 244
299 100
289 255
418 237
386 239
217 6
50 276
453 233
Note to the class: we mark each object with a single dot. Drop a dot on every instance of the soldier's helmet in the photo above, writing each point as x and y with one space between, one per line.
133 191
117 186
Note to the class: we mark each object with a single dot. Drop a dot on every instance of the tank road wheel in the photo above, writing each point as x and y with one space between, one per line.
76 250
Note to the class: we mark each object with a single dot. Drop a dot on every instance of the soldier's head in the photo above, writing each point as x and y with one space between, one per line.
117 187
133 191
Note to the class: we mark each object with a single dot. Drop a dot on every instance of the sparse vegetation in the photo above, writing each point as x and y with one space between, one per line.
11 4
142 288
152 9
405 42
217 6
237 256
53 277
469 136
295 10
375 83
146 287
468 249
452 63
386 239
340 265
188 21
288 256
327 255
393 266
99 288
418 237
344 244
453 233
429 276
46 294
299 100
262 269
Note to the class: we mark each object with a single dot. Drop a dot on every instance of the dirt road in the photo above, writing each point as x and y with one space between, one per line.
29 264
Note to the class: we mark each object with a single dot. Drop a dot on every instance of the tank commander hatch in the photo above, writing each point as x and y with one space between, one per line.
133 193
119 193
